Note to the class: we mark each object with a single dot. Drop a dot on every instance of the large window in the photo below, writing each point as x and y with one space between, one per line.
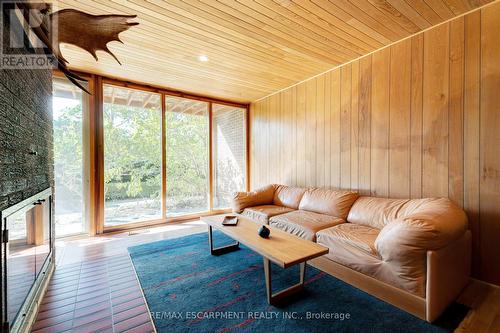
132 155
70 108
142 156
229 153
187 139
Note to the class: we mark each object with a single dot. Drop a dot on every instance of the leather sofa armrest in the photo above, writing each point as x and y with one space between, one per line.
261 196
448 272
404 242
430 228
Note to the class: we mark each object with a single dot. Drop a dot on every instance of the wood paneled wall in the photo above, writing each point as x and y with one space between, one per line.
420 118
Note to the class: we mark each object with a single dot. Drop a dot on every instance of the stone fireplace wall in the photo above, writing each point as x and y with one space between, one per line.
25 128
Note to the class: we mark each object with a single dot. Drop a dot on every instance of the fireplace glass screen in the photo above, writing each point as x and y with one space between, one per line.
28 231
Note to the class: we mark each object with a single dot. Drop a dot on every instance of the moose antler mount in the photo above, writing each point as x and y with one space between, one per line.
90 32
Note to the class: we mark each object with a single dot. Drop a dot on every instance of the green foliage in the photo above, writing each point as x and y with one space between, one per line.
68 151
132 154
187 160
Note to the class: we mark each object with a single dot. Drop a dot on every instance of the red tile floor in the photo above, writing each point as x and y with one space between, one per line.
94 287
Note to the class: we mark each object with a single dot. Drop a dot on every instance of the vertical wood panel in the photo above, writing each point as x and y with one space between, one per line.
417 75
287 147
456 114
399 120
380 123
328 132
471 129
254 146
272 140
345 128
335 129
320 132
420 118
294 134
280 129
278 140
490 142
263 147
365 86
301 135
354 126
435 112
267 136
311 132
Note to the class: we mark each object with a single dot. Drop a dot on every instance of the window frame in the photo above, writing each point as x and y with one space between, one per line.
96 152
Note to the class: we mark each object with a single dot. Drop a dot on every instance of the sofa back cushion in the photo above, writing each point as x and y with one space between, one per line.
329 202
375 212
261 196
288 196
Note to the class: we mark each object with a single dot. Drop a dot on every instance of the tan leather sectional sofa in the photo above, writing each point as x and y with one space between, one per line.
413 253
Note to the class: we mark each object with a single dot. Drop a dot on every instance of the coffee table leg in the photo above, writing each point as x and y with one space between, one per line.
222 249
273 298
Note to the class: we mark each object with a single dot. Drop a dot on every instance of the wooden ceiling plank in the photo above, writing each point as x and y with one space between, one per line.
364 18
425 11
440 8
201 29
241 25
176 68
250 15
245 31
337 17
220 58
248 45
410 13
212 88
368 8
280 14
458 6
240 35
376 31
264 70
391 12
200 69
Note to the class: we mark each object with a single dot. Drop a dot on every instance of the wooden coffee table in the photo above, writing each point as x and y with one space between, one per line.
281 248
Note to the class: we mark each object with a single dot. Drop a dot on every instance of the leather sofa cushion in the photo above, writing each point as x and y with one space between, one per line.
263 213
375 212
329 202
288 196
353 245
356 235
261 196
303 223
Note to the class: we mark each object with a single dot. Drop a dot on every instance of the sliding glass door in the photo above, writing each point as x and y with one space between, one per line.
187 160
132 121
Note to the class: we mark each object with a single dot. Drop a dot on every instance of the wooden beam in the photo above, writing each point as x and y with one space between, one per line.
210 160
163 158
99 156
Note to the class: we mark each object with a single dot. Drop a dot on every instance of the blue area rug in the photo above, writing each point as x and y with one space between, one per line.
189 290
